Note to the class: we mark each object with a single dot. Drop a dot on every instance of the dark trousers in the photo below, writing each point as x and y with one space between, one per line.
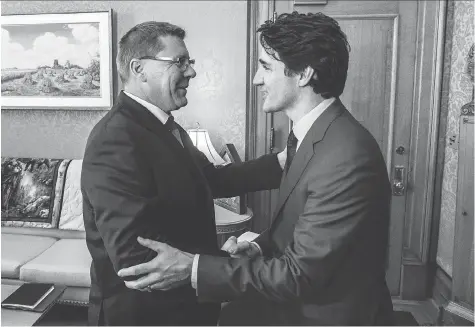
177 314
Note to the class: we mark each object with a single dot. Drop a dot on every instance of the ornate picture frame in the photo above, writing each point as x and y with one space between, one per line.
235 204
57 61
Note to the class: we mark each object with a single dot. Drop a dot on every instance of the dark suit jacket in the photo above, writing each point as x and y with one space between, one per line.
137 180
325 252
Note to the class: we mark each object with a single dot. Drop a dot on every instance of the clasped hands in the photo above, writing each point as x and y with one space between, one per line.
172 268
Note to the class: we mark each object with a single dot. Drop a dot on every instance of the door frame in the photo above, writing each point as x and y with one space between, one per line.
416 265
258 123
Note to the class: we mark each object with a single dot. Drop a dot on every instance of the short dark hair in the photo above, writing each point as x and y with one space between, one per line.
314 40
143 40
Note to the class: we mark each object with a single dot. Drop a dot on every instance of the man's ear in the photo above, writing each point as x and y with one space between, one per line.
306 76
136 69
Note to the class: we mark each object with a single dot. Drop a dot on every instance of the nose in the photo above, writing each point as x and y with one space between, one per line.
257 80
190 72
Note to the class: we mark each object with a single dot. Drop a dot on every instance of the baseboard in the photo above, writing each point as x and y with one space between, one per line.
442 288
449 312
460 311
425 312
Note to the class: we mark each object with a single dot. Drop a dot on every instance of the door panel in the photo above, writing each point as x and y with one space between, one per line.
368 90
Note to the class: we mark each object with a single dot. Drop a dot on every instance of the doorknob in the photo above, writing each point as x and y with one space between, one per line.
400 150
398 181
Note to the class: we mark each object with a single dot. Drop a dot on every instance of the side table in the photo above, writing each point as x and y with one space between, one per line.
229 223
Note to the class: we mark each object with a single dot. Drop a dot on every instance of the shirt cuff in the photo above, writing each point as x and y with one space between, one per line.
194 273
255 243
281 158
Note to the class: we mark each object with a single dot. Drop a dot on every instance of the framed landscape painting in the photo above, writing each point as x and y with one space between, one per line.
54 61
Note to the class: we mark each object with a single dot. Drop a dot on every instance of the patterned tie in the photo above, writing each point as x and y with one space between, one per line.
291 149
171 126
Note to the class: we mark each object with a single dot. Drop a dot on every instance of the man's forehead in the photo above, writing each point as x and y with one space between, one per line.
264 56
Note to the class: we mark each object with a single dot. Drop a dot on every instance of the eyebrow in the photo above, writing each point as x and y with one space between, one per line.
181 56
263 62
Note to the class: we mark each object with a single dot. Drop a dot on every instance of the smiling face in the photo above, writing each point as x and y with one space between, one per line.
165 83
280 92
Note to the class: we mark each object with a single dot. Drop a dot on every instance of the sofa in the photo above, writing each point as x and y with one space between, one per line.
43 237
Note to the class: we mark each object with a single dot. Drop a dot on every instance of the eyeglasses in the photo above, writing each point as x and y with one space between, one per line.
182 63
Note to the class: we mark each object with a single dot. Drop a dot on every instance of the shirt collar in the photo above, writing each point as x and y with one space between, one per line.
302 127
156 111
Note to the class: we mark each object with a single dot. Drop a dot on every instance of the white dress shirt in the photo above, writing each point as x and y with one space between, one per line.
156 111
300 129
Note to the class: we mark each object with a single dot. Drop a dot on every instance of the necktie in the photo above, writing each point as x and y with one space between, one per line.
171 126
291 149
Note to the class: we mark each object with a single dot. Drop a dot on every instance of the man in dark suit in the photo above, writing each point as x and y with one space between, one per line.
323 259
142 176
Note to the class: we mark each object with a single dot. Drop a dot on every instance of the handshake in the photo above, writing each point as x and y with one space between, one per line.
242 247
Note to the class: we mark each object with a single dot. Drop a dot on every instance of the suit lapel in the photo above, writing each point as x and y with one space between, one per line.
145 118
306 152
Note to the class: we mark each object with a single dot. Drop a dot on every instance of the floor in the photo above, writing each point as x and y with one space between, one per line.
67 315
404 318
64 315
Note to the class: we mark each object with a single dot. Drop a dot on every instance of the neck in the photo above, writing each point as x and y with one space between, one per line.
136 90
133 89
303 106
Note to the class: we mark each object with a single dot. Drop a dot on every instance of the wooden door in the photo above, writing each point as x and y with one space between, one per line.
381 91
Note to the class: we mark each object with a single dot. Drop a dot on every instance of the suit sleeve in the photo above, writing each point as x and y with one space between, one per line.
117 185
263 173
263 240
340 199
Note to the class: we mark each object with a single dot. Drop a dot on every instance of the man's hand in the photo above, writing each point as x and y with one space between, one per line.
169 269
240 249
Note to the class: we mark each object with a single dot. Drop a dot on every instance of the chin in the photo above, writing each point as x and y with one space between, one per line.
181 103
267 109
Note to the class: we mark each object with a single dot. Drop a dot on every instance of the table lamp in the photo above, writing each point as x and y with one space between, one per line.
200 139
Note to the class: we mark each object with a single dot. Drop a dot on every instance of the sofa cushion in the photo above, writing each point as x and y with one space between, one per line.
19 249
71 211
67 262
49 232
32 191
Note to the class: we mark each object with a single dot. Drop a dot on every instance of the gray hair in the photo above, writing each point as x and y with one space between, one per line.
143 40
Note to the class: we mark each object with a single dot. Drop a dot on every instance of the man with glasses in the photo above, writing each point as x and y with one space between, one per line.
142 176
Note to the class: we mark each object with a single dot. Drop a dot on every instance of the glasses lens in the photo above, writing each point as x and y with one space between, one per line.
183 63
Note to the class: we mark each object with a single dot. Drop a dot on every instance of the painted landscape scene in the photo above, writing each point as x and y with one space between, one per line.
51 60
27 187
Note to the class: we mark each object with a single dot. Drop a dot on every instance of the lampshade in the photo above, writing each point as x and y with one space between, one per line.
201 140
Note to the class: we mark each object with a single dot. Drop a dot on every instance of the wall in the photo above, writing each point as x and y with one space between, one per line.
216 38
459 38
